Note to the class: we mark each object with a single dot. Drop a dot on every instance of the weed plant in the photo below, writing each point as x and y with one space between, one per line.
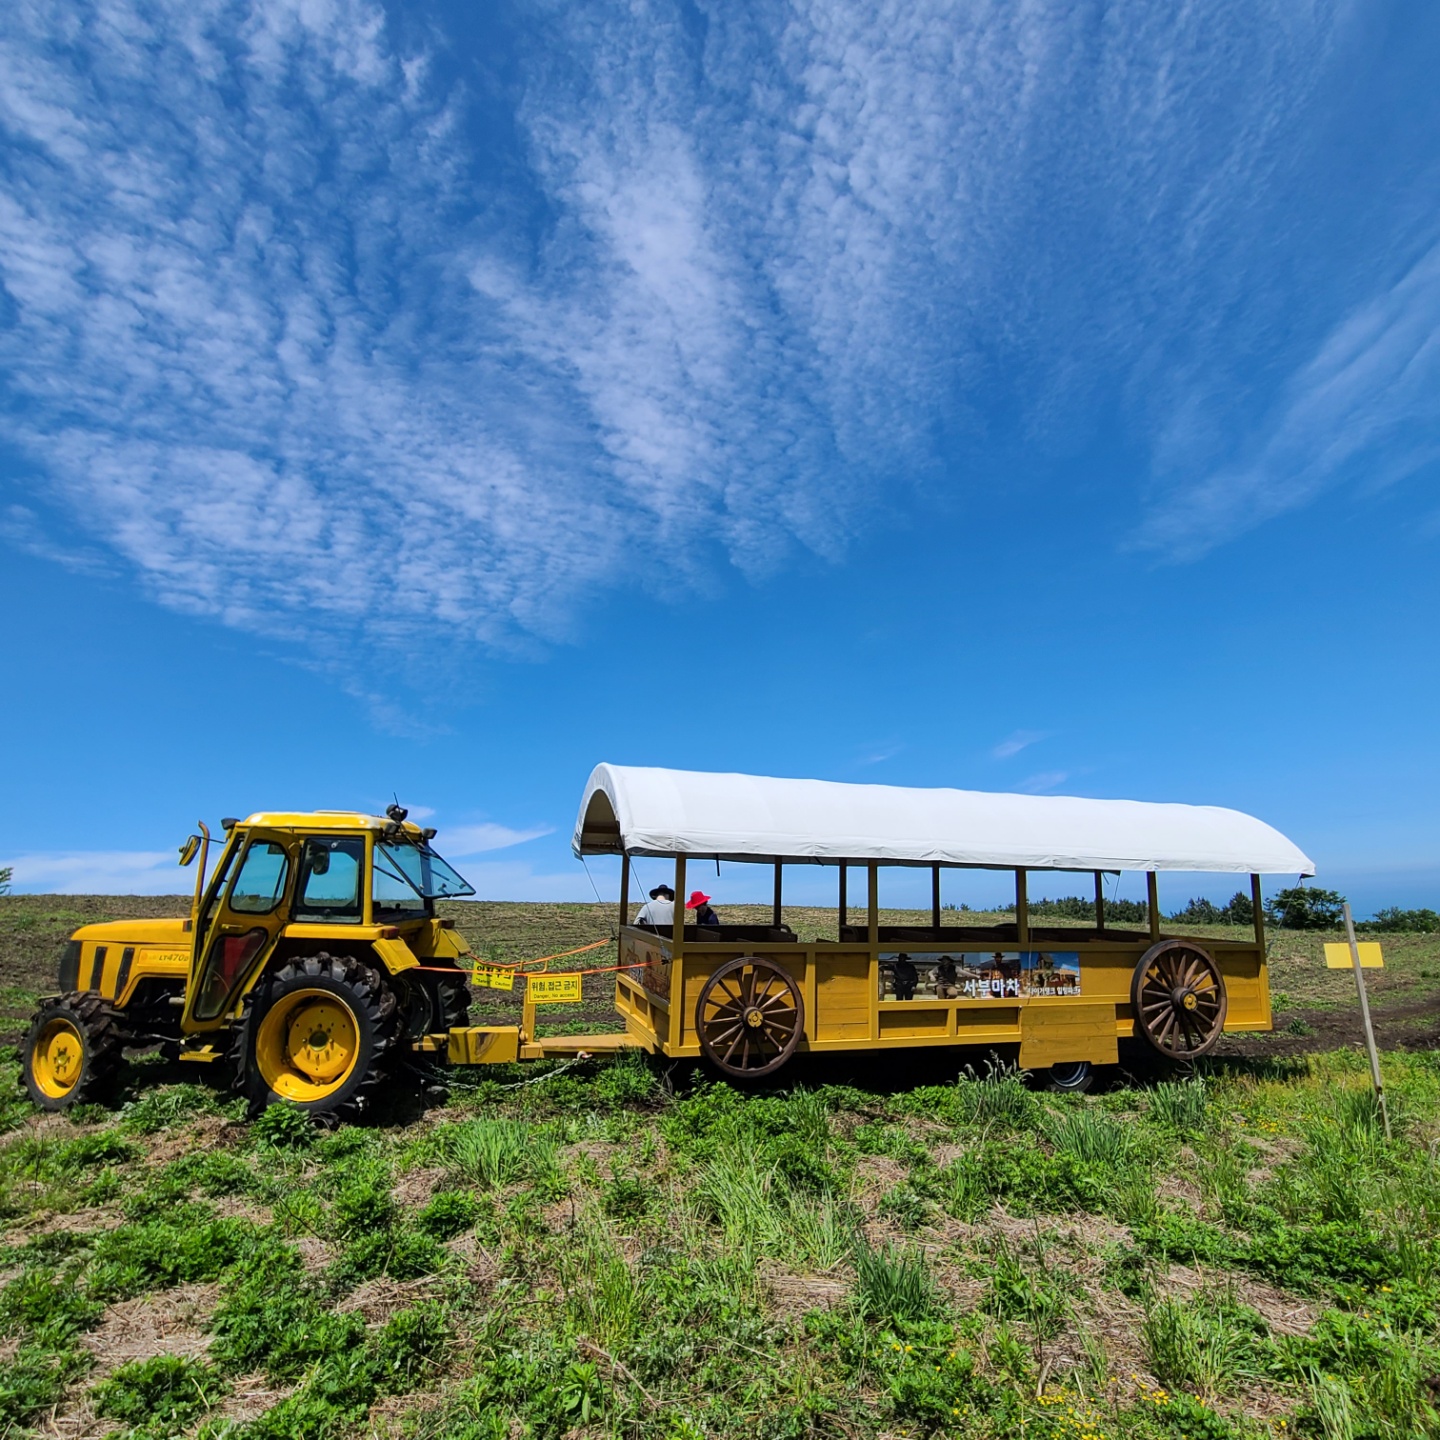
591 1256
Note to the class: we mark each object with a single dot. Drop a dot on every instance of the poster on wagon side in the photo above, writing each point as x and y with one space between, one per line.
979 975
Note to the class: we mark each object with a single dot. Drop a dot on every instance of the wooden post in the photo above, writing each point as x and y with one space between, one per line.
873 920
1152 895
1365 1018
776 916
844 905
935 898
624 891
1099 902
675 1030
1258 918
1022 908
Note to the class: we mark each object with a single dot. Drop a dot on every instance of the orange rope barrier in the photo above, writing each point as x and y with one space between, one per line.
518 966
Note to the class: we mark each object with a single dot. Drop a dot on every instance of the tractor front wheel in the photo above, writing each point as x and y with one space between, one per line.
315 1033
72 1051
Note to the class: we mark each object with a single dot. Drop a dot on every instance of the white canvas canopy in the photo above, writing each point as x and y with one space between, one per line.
643 811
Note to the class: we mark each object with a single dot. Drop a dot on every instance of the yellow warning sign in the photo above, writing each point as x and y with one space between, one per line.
1337 955
552 989
495 977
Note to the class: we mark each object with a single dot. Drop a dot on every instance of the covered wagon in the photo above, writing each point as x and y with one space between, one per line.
750 997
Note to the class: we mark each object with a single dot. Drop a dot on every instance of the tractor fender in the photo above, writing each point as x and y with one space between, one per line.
395 955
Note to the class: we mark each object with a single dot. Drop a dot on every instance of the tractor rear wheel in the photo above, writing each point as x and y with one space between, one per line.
431 1006
72 1051
316 1033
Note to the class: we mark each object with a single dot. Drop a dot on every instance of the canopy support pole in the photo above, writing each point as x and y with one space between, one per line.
843 904
677 926
776 917
1258 916
935 897
624 891
1099 902
1152 896
1022 908
873 920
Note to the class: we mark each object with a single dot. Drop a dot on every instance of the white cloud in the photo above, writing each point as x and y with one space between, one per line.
881 753
515 880
293 339
155 872
100 872
1020 740
1371 388
1044 781
477 839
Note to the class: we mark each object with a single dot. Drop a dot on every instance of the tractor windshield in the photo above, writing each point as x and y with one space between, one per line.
418 870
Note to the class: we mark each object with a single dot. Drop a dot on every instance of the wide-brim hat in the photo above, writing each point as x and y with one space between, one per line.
696 900
660 890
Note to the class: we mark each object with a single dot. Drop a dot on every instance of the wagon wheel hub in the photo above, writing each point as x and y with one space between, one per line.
750 1017
1185 998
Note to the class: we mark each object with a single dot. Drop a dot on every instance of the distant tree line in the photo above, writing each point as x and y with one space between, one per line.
6 873
1301 907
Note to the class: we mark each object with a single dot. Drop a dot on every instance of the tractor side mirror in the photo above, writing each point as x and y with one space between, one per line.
319 859
189 850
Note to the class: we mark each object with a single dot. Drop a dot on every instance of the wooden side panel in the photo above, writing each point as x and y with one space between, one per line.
646 1016
987 1024
1247 989
1052 1034
915 1020
842 998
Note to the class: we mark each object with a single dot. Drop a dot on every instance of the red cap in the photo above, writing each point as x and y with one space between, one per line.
697 899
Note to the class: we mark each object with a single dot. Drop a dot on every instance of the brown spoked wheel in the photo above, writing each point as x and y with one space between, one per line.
1178 996
750 1017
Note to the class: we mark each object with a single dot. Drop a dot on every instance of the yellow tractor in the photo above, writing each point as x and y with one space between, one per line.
312 958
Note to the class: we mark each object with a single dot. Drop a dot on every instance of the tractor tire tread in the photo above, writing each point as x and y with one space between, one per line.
105 1041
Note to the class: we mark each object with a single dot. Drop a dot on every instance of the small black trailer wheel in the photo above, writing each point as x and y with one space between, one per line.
1073 1077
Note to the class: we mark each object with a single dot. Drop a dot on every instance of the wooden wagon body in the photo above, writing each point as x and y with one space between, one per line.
1064 995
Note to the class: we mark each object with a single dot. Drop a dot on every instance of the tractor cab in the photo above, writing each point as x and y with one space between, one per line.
351 879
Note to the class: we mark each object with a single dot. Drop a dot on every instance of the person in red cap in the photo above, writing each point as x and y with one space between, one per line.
699 902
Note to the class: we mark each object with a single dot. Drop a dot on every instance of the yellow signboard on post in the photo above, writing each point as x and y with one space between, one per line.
493 977
552 989
1338 956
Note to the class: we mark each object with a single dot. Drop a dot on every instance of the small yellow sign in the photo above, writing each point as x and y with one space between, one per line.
495 977
1337 955
553 989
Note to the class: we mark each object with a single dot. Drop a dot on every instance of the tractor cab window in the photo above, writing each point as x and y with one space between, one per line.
260 885
330 872
408 876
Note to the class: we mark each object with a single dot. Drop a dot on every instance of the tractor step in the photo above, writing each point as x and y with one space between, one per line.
204 1054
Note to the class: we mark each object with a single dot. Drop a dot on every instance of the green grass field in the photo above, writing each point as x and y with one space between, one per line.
890 1248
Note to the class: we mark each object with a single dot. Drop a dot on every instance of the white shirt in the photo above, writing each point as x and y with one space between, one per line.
659 912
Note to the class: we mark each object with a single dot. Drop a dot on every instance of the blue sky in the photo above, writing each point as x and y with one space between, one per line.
439 399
